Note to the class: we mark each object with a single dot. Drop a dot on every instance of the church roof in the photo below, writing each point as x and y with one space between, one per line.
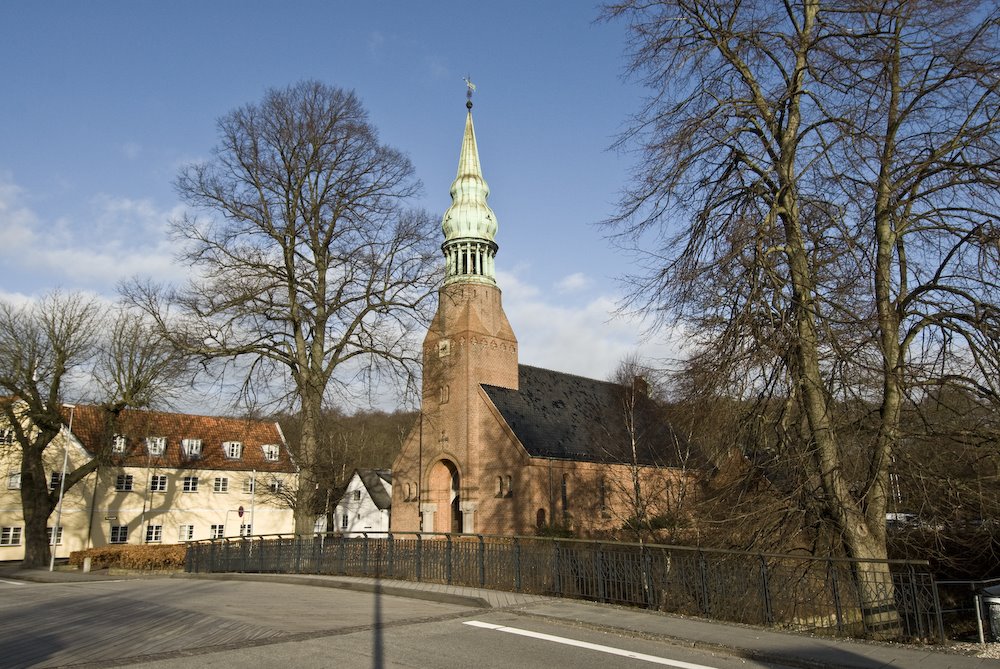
567 417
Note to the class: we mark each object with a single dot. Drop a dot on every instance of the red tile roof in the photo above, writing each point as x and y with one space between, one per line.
91 428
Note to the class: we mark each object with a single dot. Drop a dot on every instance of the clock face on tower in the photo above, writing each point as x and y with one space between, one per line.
444 348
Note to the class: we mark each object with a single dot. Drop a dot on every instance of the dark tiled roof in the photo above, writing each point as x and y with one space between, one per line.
567 417
372 478
90 426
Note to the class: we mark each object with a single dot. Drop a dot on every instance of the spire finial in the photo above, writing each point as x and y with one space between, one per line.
470 89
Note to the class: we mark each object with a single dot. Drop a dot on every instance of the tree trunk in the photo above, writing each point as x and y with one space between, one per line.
305 503
37 506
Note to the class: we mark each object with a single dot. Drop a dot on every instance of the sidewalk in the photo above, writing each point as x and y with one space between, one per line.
798 650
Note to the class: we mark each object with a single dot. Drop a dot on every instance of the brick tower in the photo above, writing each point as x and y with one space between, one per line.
439 475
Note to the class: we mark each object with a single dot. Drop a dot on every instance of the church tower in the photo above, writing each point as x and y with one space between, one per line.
469 343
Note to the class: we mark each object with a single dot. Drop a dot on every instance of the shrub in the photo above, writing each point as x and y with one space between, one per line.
132 557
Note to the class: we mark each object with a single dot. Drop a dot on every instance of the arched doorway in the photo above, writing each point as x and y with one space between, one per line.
444 485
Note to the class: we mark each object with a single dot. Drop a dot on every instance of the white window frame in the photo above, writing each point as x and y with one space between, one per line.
55 480
217 532
271 452
189 484
248 486
118 534
233 449
158 483
344 521
156 445
221 484
124 483
185 533
356 495
118 443
154 534
191 448
59 536
246 529
14 481
276 487
10 536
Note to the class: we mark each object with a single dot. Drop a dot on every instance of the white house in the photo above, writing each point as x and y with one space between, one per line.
366 503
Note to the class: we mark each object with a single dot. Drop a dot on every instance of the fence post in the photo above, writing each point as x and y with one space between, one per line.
557 568
937 609
364 555
243 555
391 556
482 561
342 550
766 591
838 611
447 550
647 575
706 607
602 594
420 555
211 557
517 564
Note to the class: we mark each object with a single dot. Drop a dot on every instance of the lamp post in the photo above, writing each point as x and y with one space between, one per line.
62 489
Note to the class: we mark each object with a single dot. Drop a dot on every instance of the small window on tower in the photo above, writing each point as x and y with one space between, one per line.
445 394
444 348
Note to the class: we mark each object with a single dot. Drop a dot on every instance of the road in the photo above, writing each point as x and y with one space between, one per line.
167 623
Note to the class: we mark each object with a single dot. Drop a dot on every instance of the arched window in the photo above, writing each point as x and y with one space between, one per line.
510 486
499 486
540 518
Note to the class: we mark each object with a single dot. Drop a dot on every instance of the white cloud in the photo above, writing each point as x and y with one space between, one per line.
589 340
573 283
376 41
119 237
131 150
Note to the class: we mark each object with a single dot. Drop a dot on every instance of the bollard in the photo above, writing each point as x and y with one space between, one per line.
86 565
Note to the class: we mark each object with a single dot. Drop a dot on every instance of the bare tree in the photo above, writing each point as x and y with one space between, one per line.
60 343
660 464
310 272
835 167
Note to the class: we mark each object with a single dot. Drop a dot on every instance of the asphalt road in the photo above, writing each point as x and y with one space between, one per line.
182 623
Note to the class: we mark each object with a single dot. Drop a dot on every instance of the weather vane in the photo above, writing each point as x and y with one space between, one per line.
468 93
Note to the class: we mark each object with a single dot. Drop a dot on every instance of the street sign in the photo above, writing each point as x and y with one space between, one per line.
110 517
239 511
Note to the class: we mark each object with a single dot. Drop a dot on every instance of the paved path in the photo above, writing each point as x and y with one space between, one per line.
186 614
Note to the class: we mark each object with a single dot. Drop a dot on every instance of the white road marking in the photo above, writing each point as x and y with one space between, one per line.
590 646
11 582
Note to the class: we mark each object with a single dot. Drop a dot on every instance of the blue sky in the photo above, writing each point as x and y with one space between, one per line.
104 101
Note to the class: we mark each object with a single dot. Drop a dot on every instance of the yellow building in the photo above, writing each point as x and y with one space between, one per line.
160 478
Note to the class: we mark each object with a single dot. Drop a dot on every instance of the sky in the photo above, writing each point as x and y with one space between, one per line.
104 102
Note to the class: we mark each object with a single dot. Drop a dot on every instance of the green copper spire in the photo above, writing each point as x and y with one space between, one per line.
469 225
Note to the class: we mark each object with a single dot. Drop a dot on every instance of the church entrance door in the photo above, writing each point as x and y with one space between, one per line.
444 489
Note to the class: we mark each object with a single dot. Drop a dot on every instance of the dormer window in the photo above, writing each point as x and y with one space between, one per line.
118 444
233 449
270 452
156 445
191 448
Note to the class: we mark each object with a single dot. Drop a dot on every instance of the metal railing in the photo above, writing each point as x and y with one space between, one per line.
891 599
963 612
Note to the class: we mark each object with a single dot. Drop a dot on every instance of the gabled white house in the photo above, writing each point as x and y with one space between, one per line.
366 503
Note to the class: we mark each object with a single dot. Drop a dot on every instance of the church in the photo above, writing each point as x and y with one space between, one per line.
503 448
